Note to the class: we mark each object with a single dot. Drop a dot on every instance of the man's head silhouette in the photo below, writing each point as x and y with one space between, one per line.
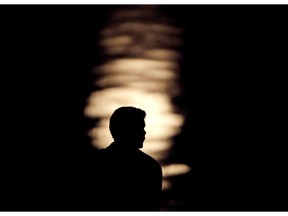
127 126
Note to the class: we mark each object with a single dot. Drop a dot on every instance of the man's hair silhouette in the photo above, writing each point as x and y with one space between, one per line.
127 126
129 179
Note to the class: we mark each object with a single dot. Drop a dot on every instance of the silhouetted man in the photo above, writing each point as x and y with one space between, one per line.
129 180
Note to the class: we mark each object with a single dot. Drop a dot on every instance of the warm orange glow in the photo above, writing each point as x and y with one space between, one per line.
117 41
139 67
145 76
175 169
132 26
162 54
166 184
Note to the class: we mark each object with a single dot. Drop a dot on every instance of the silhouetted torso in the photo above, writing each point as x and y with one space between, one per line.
129 180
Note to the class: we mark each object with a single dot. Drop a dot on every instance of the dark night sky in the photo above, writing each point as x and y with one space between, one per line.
234 93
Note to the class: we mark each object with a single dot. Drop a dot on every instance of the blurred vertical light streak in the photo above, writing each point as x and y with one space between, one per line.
141 70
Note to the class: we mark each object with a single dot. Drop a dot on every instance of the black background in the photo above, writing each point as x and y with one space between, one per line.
233 76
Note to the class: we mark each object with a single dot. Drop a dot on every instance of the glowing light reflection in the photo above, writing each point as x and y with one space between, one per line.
125 65
175 169
166 184
131 27
117 41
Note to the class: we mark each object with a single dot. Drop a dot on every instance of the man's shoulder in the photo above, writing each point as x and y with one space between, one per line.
150 159
102 153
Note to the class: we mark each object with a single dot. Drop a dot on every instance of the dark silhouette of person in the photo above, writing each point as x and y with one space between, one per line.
128 179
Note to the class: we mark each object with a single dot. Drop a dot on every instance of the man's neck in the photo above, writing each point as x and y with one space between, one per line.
125 146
